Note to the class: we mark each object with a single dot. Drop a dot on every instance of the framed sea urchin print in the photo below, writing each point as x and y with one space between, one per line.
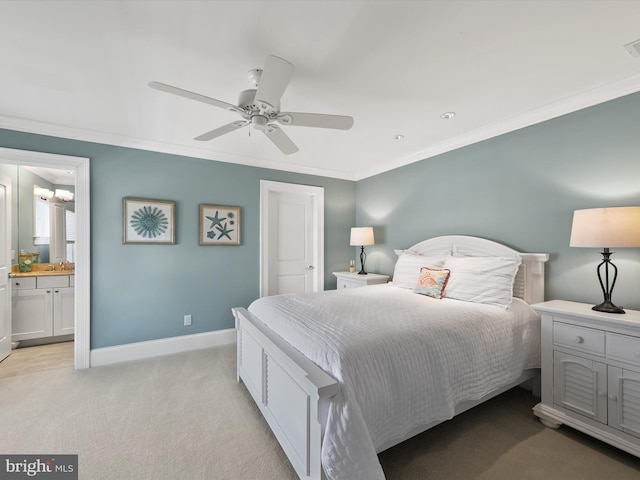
219 225
148 221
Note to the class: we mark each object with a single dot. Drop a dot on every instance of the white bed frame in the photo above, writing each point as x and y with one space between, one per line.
294 394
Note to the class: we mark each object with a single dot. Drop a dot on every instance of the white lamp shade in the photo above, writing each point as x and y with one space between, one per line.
606 227
362 236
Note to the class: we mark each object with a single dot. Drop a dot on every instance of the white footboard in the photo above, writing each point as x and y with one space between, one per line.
292 392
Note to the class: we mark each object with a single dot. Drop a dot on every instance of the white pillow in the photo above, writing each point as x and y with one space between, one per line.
407 269
482 279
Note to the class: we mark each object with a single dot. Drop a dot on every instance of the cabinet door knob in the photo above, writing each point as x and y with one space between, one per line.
601 393
48 291
578 339
613 398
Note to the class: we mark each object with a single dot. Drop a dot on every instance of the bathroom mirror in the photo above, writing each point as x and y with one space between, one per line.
45 223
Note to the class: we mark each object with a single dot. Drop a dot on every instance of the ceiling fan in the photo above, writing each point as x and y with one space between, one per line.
260 107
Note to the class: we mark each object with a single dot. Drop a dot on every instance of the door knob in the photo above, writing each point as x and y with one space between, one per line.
310 267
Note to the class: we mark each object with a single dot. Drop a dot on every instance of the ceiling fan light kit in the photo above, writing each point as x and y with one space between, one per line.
259 122
260 107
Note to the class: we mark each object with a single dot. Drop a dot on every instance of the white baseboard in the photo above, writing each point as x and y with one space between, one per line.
163 346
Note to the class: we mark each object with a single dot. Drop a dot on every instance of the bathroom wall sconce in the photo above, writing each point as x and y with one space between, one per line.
43 193
64 195
46 194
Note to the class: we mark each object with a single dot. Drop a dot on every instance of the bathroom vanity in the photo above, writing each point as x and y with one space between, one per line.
42 305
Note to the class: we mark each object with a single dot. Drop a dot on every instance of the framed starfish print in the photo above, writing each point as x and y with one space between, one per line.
148 221
219 225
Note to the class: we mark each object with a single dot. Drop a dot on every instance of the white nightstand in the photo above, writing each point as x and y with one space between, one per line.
352 280
591 372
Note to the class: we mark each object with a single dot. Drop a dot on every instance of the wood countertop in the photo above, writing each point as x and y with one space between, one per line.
55 273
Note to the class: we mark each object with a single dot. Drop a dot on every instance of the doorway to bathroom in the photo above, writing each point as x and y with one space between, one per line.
79 167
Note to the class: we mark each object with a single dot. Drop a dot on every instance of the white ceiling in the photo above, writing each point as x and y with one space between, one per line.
80 70
57 176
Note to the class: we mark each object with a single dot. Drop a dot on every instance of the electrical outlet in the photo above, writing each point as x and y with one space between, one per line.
187 320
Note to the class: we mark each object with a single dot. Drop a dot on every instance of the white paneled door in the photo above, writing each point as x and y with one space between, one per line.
5 266
291 224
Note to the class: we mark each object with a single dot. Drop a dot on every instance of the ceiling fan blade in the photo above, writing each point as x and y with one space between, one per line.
338 122
274 79
280 140
163 87
221 131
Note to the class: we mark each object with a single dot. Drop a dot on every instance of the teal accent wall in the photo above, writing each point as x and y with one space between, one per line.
142 292
520 189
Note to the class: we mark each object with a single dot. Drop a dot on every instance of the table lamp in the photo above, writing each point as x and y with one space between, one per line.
606 228
361 236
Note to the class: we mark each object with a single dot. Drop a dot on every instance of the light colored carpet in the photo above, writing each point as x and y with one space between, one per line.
176 417
185 417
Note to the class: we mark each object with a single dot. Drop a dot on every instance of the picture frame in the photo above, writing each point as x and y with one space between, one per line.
219 225
147 221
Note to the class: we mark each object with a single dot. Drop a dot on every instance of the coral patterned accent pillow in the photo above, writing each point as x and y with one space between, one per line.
432 282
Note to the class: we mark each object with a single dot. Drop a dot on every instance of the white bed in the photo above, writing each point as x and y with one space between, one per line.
362 384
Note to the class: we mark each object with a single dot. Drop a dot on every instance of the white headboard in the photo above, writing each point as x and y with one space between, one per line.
529 282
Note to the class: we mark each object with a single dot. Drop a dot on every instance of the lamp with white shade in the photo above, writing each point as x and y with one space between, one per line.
362 236
617 227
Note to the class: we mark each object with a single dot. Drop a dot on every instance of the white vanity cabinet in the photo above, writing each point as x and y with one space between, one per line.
42 306
591 372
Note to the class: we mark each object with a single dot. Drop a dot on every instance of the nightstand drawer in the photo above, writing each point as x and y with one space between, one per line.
624 348
344 283
579 338
353 280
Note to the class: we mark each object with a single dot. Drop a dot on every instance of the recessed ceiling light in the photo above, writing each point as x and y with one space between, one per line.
448 115
398 137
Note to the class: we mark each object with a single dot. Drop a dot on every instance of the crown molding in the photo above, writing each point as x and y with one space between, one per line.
570 104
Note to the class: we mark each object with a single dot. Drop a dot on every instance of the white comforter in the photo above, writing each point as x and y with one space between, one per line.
402 360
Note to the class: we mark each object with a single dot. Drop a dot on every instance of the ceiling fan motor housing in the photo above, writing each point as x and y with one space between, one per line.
247 102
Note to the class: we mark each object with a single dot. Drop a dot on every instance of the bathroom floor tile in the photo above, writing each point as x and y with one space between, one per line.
24 361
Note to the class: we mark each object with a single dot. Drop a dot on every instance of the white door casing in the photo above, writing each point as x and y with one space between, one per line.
82 310
5 266
291 238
